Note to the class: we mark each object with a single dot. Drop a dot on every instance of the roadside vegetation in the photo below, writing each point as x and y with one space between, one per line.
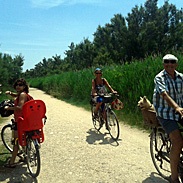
130 80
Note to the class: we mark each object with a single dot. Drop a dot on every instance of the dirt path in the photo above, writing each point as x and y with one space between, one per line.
73 152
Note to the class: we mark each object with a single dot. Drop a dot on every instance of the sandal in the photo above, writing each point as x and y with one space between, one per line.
8 165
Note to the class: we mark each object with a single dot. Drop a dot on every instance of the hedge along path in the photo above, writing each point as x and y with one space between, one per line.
73 152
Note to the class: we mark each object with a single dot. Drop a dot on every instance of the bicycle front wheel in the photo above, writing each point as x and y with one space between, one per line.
6 136
96 121
113 125
160 153
33 157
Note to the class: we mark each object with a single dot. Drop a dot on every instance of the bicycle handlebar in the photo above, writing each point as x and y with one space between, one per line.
108 94
45 118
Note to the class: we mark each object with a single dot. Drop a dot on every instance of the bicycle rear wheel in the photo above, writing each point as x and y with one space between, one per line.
33 157
160 152
113 125
6 136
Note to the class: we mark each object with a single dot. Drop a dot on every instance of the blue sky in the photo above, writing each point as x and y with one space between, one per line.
43 28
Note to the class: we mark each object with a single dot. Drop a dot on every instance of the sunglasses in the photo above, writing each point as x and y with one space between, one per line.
98 73
19 84
170 61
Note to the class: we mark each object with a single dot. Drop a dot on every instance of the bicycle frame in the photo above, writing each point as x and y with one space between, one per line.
29 152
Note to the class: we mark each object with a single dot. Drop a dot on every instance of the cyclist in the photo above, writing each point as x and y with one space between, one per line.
167 100
21 96
99 85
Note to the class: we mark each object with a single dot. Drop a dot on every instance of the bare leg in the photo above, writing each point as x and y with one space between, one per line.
177 144
97 107
15 148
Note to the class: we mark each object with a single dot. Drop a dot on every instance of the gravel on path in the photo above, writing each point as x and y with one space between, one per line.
73 152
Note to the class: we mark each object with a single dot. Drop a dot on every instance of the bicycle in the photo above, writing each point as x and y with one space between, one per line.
160 146
106 115
30 134
7 135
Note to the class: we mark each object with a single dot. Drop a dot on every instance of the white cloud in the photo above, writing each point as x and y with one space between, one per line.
47 3
53 3
29 43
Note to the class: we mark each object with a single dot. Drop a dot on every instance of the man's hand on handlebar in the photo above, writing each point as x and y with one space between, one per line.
180 111
114 92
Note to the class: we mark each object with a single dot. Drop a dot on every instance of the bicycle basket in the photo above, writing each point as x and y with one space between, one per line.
107 99
150 118
4 112
117 104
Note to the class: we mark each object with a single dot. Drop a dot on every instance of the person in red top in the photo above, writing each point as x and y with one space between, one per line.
21 96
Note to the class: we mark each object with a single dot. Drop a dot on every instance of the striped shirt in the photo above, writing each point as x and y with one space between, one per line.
174 87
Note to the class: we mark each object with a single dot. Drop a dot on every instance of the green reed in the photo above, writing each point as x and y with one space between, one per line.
130 80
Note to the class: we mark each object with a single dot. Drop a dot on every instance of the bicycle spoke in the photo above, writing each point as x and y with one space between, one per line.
113 125
33 158
6 136
96 120
160 149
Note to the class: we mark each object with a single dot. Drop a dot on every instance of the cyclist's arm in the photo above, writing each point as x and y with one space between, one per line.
22 100
11 93
94 93
172 103
109 86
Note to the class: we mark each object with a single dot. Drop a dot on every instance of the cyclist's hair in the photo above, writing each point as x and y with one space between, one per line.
22 81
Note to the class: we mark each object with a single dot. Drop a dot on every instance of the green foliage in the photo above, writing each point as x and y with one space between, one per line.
10 68
4 155
130 80
117 47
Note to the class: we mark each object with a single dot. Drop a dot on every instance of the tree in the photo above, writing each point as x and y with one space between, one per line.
147 30
11 68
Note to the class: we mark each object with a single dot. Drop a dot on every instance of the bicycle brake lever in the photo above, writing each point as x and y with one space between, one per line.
45 118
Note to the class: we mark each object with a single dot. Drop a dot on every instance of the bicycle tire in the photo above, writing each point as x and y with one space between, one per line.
113 125
96 121
6 136
160 150
33 157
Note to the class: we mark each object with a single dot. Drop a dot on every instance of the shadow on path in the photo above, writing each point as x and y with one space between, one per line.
18 174
95 137
154 177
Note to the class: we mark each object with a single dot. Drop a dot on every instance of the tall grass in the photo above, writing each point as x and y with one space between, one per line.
130 80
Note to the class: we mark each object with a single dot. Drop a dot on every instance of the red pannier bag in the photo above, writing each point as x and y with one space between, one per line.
33 115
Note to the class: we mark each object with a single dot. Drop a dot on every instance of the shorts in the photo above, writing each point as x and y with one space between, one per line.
97 99
168 124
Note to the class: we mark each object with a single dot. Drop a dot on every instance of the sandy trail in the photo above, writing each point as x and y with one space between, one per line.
73 152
